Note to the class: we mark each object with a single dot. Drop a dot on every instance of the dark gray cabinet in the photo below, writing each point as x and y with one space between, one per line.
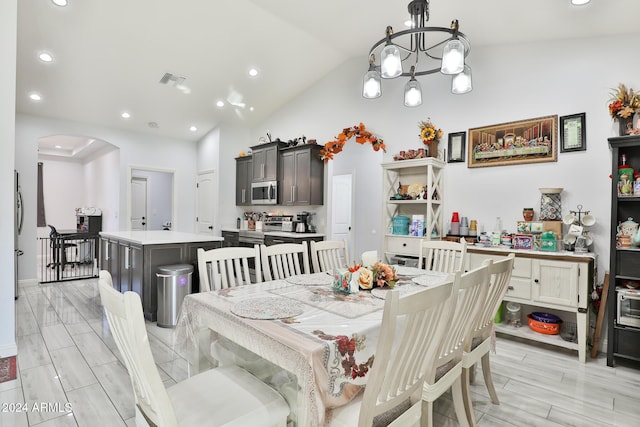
265 161
230 238
244 176
623 340
302 175
133 266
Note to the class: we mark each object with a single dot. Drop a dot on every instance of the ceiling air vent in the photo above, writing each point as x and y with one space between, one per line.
153 125
172 80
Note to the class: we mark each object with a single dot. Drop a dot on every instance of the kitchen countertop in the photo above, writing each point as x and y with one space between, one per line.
499 249
159 237
278 233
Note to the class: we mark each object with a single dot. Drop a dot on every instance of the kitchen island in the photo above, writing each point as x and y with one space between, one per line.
132 258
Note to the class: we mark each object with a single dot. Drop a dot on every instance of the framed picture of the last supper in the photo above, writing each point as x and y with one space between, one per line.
524 141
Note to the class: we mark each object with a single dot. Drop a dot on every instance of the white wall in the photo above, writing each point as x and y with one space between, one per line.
101 174
8 31
63 187
510 83
136 150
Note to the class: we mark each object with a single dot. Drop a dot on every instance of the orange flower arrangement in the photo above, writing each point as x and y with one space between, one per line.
623 103
362 135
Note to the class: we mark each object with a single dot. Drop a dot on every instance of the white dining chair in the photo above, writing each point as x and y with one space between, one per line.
241 400
283 260
327 255
227 267
478 344
369 258
469 289
412 326
442 256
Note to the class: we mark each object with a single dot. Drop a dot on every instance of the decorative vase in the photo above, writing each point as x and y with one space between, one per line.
527 214
625 125
433 149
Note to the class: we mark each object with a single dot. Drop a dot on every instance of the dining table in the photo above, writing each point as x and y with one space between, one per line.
323 338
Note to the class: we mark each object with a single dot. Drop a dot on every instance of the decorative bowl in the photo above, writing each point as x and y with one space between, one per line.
543 328
545 317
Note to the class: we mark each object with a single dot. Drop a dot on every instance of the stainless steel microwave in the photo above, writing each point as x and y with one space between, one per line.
628 312
264 193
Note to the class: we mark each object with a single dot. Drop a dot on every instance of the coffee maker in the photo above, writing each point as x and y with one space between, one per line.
304 223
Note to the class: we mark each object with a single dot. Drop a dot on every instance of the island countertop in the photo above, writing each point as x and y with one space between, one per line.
159 237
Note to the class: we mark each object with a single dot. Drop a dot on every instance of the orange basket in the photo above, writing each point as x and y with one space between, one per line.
543 328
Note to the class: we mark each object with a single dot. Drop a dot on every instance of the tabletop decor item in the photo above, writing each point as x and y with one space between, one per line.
623 104
430 136
342 281
362 135
376 275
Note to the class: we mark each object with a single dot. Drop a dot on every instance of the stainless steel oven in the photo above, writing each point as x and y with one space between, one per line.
264 193
628 312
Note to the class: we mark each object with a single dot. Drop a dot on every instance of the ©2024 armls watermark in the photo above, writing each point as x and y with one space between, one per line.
59 407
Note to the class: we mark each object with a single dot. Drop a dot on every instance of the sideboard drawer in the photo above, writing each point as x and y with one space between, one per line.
519 287
522 267
403 245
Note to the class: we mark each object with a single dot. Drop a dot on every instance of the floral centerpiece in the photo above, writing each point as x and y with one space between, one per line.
430 136
379 274
623 104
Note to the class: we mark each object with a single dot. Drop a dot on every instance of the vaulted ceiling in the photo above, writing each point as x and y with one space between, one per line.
110 56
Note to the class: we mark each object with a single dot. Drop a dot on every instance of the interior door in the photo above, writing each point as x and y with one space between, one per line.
138 203
205 199
341 209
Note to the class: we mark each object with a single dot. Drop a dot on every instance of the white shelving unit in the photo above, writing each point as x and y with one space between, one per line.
427 172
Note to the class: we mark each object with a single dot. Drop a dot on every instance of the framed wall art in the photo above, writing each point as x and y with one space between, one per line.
573 135
456 147
523 141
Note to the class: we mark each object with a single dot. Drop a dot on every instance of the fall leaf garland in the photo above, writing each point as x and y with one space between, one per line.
362 135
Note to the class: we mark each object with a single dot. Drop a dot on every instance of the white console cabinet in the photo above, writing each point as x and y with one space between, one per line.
554 282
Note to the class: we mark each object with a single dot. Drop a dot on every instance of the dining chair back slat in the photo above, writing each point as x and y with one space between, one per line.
478 344
469 292
412 325
283 260
327 255
442 256
227 267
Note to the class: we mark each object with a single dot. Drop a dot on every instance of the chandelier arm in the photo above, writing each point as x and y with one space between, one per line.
461 36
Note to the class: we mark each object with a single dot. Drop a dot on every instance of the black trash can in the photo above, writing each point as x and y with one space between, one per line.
174 283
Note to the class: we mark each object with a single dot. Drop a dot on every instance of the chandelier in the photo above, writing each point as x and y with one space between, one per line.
419 51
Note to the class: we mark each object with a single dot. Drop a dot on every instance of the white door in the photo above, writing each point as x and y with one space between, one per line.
205 199
138 203
341 209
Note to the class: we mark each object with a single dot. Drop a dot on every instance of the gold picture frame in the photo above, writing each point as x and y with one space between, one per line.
523 141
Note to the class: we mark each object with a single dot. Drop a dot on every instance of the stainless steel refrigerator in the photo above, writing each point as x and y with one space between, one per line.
18 219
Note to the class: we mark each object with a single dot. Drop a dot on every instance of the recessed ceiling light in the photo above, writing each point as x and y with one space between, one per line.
579 2
35 96
193 128
58 146
60 2
45 57
253 72
125 115
220 104
251 108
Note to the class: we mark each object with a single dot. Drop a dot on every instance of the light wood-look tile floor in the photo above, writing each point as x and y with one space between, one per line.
70 373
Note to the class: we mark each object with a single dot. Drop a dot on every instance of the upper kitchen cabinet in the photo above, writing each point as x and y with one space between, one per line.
265 161
302 175
244 176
